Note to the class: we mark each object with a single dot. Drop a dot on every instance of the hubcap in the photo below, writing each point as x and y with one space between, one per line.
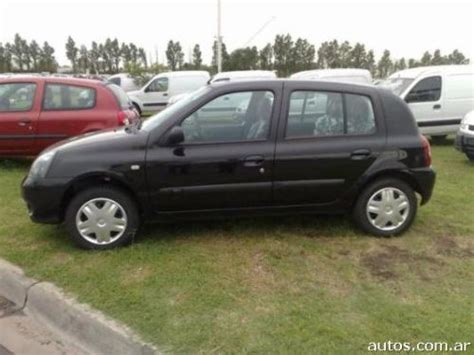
101 221
388 208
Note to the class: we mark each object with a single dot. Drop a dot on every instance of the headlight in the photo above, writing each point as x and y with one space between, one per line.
41 165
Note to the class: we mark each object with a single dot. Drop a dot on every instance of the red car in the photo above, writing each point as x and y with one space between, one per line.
36 112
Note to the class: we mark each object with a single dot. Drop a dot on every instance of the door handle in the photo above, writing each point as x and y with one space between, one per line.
165 94
24 122
360 154
254 161
436 107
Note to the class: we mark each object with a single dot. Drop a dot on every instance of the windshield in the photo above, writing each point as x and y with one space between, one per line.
396 85
160 117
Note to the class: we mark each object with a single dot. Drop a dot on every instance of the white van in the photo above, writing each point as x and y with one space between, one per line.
243 75
344 75
125 81
155 94
439 96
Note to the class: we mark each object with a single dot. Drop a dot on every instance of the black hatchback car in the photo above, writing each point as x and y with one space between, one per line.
242 148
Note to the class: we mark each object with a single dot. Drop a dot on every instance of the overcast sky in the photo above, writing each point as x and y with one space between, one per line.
406 28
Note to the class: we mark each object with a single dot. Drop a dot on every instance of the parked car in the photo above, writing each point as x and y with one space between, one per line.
343 75
439 96
465 137
125 81
155 94
36 112
184 162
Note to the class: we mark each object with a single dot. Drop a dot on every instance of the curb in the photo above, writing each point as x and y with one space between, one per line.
83 326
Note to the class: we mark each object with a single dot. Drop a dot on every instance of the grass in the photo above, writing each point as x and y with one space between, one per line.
283 285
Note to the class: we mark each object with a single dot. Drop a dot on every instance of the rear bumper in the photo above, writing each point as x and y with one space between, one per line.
464 142
425 179
43 199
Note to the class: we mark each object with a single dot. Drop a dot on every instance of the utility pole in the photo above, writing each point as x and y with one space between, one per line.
219 38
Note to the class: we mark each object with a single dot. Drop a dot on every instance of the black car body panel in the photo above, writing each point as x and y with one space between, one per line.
272 175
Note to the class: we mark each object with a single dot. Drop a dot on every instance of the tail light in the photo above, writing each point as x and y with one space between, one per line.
122 118
426 150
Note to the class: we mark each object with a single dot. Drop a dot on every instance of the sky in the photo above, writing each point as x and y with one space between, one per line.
406 28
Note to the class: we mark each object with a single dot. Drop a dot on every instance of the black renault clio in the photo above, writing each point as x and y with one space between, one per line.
242 148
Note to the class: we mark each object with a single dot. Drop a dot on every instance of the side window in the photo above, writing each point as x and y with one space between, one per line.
360 115
117 80
17 97
233 117
68 97
428 89
315 114
158 85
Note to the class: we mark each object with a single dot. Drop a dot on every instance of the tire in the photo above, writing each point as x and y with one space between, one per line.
439 139
117 227
367 218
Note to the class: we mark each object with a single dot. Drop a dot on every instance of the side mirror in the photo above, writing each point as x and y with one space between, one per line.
174 136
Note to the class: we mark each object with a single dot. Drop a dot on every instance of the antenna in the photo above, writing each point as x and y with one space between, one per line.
259 31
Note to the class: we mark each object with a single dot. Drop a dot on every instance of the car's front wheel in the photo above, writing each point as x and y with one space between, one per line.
386 207
102 218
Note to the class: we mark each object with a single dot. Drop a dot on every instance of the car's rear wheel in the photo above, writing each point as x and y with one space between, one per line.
102 218
386 207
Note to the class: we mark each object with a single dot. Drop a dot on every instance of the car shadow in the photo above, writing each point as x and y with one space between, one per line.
16 163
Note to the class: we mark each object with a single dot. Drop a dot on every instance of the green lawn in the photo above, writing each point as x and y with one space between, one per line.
282 285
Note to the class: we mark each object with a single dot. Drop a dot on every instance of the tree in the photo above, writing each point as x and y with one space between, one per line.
266 57
370 62
385 65
115 54
35 53
197 57
243 59
174 55
224 56
71 52
83 62
48 61
16 50
282 51
426 59
142 56
94 56
302 55
437 59
457 57
358 56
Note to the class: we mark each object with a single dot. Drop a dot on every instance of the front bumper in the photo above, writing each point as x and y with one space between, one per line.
464 142
44 199
425 179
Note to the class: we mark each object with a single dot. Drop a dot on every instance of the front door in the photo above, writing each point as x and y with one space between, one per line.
18 118
326 142
225 161
155 96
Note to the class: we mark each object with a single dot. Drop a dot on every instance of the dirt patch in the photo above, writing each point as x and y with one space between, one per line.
383 263
136 275
447 246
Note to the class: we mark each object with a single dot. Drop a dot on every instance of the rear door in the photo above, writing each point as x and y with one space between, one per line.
19 110
69 110
327 140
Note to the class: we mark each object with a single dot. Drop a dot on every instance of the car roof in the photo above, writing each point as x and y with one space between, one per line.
50 79
413 73
323 84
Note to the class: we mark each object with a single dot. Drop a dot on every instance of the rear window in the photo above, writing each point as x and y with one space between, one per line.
68 97
120 95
